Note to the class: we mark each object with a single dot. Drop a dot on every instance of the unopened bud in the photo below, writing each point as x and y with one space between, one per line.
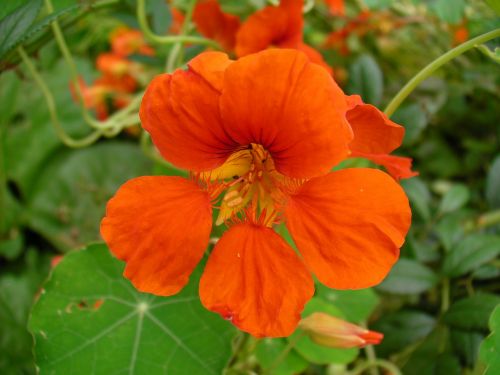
333 332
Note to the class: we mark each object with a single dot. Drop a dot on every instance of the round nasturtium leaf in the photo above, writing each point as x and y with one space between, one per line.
268 352
313 352
356 305
90 320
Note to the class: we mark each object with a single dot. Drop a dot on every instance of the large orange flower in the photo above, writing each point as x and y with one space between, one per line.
260 136
280 26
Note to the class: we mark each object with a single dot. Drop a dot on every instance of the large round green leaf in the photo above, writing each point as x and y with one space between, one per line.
90 320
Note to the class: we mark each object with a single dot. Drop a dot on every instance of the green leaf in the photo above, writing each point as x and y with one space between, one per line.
90 320
409 277
69 199
414 120
489 351
450 228
493 184
16 24
17 290
474 251
267 352
420 196
429 358
455 198
486 272
315 353
466 345
31 141
472 312
366 79
356 305
160 15
401 329
450 11
495 5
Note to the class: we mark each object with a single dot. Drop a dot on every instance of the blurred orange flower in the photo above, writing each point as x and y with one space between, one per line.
126 42
260 151
337 7
281 27
213 23
103 96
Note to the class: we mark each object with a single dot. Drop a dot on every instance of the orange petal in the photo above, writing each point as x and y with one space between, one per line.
349 226
160 227
211 66
398 167
271 26
292 107
255 279
181 112
314 56
373 132
213 23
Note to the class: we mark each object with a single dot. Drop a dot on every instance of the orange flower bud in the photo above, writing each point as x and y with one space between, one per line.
333 332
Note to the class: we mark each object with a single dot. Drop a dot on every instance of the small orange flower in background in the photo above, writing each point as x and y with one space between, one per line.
281 27
333 332
260 136
119 75
213 23
337 7
460 33
126 42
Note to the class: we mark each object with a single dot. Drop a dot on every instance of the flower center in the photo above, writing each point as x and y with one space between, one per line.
251 184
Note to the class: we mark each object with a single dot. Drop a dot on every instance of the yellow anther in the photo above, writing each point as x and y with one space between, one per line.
234 202
230 195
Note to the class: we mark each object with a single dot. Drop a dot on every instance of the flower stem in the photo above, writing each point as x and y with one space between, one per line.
51 105
167 39
445 295
372 359
389 366
436 64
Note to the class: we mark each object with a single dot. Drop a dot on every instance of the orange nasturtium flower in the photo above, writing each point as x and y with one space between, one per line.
260 136
281 27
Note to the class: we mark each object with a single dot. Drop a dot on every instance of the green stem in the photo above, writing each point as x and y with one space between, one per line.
372 358
389 366
167 39
484 221
72 66
51 105
176 56
445 295
436 64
